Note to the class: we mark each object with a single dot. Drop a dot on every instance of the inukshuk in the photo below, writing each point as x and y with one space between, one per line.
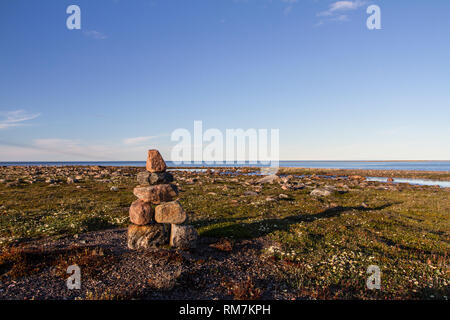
157 214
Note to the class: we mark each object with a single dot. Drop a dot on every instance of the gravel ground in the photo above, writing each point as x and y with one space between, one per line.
202 273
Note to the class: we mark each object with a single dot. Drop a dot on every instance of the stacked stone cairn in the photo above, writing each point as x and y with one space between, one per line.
157 214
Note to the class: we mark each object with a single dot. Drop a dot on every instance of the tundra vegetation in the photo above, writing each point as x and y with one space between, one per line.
277 240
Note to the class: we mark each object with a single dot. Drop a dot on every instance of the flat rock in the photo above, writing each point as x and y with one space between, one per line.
157 193
155 162
269 179
170 212
149 236
146 178
141 212
183 237
320 193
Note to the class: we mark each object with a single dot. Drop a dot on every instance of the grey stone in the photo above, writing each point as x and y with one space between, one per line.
146 178
320 193
183 237
149 236
269 179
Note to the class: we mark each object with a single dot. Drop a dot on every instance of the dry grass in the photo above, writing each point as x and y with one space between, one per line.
242 290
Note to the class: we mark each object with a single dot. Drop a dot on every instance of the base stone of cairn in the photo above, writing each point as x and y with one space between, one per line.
148 236
150 224
183 237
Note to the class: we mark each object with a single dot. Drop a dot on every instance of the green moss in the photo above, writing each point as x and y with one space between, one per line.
325 244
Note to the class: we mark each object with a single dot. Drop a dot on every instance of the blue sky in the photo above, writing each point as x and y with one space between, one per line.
137 70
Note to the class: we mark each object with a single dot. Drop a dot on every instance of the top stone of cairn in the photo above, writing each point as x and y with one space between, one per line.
155 162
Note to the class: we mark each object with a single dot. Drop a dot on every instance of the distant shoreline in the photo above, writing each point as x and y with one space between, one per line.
376 166
132 161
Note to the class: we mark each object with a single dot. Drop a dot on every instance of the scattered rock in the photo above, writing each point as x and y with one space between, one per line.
114 188
320 193
360 178
269 179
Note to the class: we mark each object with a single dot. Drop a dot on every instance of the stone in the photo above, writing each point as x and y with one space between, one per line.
360 178
155 162
269 179
250 193
149 236
170 212
157 193
146 178
114 189
183 237
320 193
141 212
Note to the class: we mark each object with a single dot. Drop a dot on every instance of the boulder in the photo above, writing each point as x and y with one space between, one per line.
149 236
157 193
141 212
170 212
269 179
183 237
146 178
320 193
155 162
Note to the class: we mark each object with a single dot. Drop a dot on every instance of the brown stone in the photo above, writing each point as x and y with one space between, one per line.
155 162
141 212
170 212
183 237
149 236
157 193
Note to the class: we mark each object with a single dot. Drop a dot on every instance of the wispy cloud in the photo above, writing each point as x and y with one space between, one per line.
137 140
95 34
336 11
340 6
290 6
15 118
